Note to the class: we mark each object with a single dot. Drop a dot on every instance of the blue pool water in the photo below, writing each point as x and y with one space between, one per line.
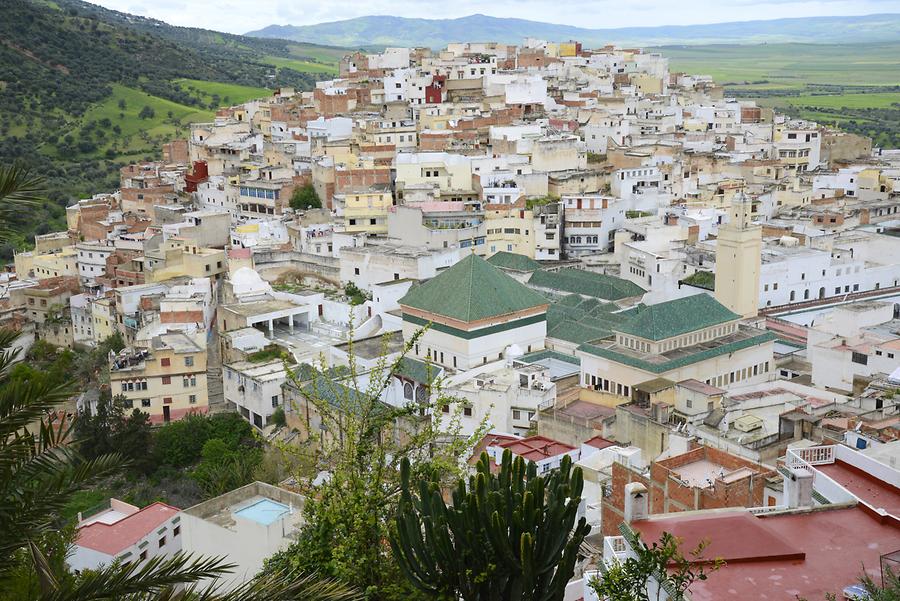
264 511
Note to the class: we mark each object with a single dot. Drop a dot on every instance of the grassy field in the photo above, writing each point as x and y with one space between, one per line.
875 100
303 66
322 54
135 135
228 93
789 66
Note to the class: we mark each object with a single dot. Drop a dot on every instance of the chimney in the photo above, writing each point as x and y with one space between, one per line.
798 488
637 502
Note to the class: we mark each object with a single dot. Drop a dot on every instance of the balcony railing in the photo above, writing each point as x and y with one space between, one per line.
822 455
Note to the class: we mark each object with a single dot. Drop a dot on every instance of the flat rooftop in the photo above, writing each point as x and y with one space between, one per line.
374 347
872 491
704 473
780 556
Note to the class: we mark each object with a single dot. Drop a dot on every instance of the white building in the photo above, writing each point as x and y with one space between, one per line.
254 389
124 533
246 526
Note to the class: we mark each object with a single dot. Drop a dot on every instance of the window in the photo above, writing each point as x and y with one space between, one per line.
890 355
188 361
185 383
192 399
860 358
162 542
467 411
142 556
145 402
167 379
446 408
274 401
176 531
517 414
690 403
356 270
165 362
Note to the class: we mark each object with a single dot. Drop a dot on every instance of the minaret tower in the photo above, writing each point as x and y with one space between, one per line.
738 258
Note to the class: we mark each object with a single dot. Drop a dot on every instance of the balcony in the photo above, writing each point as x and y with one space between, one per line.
615 550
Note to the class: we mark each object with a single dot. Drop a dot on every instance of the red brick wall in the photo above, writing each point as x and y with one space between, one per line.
181 317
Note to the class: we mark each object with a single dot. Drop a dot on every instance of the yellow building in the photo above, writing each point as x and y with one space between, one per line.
509 229
55 264
175 258
568 49
364 211
103 317
166 381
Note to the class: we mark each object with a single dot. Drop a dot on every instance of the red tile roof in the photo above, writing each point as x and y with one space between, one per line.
537 448
114 538
598 442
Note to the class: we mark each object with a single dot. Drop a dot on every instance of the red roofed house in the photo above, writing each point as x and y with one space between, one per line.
124 532
545 452
840 518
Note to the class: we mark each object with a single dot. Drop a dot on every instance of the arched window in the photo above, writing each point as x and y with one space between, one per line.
792 296
421 394
806 295
822 292
408 391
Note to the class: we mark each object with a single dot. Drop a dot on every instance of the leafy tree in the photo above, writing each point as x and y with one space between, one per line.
305 197
360 444
147 112
511 535
278 418
39 473
652 570
122 104
106 428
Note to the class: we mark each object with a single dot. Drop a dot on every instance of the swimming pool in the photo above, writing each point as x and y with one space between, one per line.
264 511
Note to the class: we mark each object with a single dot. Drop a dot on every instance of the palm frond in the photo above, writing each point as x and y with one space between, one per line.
19 188
149 578
19 192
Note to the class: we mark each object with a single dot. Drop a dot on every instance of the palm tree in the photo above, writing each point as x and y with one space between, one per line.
20 191
40 471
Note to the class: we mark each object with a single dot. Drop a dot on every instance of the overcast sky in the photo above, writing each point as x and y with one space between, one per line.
240 16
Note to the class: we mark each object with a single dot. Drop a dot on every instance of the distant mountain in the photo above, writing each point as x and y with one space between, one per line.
436 33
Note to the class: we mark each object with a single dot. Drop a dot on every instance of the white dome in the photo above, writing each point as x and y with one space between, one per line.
247 281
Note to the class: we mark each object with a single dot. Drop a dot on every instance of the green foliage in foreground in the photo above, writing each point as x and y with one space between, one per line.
40 473
511 535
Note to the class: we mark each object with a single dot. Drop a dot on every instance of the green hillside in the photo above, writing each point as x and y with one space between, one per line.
84 90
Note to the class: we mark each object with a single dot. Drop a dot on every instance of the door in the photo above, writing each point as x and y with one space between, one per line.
166 414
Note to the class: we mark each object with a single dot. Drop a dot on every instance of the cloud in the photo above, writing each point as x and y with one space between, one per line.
239 16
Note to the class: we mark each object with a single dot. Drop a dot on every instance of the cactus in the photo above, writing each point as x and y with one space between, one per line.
510 535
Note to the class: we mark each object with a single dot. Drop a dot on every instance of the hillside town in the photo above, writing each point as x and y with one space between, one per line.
693 298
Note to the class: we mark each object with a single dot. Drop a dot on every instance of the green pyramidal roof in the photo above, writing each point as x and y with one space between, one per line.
472 290
676 317
513 261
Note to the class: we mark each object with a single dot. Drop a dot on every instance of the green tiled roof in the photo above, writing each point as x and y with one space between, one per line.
577 319
676 317
472 290
419 371
513 261
585 283
658 368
